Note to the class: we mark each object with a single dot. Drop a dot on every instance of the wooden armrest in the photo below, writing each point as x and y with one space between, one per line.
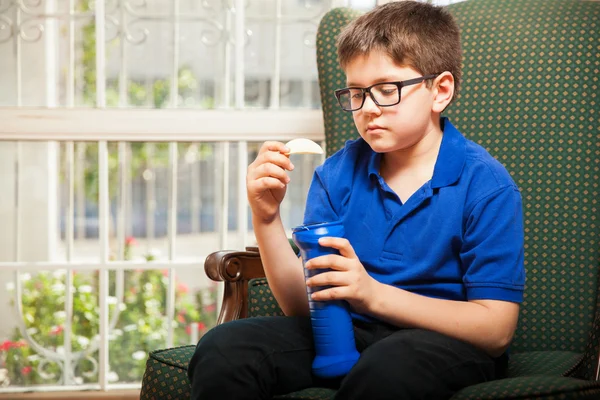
235 269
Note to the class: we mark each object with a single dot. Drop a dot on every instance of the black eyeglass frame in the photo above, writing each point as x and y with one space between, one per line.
399 85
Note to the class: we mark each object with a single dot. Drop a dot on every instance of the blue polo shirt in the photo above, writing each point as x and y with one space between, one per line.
458 237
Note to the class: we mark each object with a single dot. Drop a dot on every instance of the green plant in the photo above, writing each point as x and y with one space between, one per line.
141 325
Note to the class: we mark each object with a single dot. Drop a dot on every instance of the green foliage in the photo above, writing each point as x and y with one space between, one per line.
141 326
141 159
143 156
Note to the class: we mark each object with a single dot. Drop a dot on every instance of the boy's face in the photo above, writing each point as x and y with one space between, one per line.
398 127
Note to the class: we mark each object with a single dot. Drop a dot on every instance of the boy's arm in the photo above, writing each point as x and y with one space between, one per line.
266 184
487 324
282 267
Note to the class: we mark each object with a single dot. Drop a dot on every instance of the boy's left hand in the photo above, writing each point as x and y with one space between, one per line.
349 279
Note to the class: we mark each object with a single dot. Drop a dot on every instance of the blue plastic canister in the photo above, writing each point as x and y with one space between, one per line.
332 327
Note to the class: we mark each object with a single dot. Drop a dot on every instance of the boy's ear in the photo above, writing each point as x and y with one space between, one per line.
443 91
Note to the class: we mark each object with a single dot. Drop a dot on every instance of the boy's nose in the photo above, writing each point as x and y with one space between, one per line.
369 105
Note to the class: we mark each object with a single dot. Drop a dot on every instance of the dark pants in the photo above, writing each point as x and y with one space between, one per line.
257 358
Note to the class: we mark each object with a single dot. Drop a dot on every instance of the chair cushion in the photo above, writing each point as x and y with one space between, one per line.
550 363
166 378
261 302
309 394
532 387
166 374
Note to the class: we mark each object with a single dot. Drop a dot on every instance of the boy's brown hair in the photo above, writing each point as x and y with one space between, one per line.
413 34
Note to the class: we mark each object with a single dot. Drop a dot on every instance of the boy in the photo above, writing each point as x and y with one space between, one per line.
432 261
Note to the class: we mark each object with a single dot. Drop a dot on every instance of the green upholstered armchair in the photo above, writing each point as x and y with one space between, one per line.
531 96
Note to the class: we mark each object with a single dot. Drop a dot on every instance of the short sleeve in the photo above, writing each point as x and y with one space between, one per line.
319 207
492 252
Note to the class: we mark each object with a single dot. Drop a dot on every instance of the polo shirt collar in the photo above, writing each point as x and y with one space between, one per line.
374 163
450 160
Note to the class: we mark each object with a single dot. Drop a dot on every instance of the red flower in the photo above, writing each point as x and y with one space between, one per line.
200 325
130 241
56 330
210 308
26 370
180 318
7 345
182 287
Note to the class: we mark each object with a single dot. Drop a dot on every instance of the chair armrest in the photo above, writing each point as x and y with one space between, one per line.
235 269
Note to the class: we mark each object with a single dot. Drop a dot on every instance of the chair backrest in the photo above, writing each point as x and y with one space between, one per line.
339 126
530 97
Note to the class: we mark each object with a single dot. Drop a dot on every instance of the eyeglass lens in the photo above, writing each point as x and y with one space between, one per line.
384 94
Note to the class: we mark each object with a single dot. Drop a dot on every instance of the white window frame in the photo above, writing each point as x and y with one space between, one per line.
136 125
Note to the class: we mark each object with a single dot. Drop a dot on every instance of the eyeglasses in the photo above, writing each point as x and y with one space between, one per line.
384 94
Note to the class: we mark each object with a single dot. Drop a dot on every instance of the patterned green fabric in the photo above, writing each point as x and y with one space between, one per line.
166 374
309 394
531 113
551 363
339 126
261 302
590 361
534 387
530 98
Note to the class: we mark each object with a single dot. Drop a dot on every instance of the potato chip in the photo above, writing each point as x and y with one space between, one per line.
303 146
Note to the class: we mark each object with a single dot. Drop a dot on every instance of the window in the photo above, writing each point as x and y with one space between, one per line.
127 126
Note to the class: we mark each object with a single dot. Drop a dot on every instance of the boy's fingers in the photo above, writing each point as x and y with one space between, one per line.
341 244
273 157
267 183
330 278
336 292
274 146
329 261
278 159
269 170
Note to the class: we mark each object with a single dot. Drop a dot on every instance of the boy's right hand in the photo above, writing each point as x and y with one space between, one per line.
267 179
